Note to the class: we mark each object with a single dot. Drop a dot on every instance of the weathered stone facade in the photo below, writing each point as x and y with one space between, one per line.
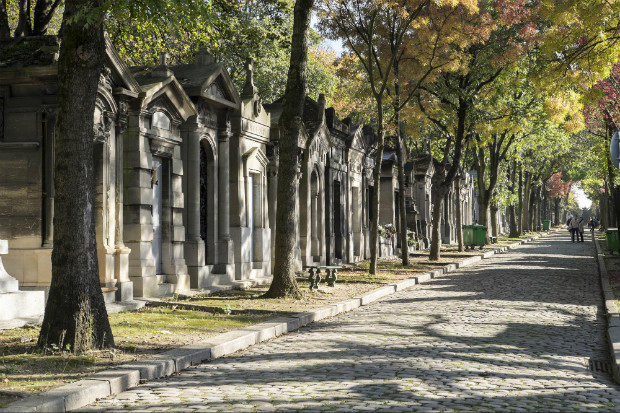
186 177
28 106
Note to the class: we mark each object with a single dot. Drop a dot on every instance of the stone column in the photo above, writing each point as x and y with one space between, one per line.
124 290
225 250
49 121
314 225
272 196
194 244
192 173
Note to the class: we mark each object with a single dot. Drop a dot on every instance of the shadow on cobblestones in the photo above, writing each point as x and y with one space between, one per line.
511 334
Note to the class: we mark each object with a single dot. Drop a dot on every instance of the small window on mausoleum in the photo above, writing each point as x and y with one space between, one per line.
161 121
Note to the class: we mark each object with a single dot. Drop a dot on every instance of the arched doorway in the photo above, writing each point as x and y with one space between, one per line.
208 200
314 216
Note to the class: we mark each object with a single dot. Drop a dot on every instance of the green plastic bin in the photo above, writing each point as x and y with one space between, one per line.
468 236
612 239
480 235
546 224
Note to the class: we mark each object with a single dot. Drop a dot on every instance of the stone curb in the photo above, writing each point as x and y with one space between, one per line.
110 382
613 317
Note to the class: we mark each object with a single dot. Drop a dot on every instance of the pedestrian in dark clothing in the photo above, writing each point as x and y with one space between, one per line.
573 226
580 228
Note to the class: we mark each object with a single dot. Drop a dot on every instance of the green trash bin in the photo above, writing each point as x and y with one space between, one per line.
468 236
612 239
546 224
480 235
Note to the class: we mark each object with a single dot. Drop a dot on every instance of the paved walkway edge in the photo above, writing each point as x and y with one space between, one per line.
613 318
110 382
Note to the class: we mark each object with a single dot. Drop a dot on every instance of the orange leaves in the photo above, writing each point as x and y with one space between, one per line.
556 187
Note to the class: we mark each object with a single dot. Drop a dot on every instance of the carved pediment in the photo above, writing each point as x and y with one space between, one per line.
162 103
218 89
221 90
358 142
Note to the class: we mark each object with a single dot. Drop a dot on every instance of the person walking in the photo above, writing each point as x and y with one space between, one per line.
573 226
580 229
591 224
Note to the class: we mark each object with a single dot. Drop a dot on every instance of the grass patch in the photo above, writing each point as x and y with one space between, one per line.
26 370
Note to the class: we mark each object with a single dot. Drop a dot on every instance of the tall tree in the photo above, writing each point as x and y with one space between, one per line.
29 20
75 312
387 38
498 36
284 283
558 190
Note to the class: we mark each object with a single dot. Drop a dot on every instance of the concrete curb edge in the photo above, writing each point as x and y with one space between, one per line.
613 317
124 377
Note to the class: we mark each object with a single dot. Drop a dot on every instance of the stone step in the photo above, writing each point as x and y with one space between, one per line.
109 294
117 307
22 304
166 289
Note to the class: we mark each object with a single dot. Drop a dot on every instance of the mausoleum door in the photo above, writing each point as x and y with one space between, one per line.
355 203
250 213
208 200
315 248
157 210
337 221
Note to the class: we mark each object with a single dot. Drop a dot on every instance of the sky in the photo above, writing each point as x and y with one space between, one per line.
580 196
335 45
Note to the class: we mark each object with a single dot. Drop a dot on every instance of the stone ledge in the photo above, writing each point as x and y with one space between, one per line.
119 379
153 368
129 375
377 294
65 398
613 316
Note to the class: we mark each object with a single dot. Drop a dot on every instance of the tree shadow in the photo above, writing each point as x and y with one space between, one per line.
501 336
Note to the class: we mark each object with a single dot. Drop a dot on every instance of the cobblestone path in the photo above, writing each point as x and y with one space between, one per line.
513 333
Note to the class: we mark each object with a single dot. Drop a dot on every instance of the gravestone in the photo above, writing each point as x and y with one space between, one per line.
15 304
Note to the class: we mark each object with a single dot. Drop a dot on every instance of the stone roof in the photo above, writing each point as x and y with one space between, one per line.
29 51
311 119
389 156
422 163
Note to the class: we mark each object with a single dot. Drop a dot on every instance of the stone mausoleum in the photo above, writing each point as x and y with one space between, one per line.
186 176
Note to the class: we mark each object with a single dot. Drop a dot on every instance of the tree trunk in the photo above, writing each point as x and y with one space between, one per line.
75 313
532 209
402 205
5 30
520 201
24 26
556 208
459 217
442 180
603 208
434 253
483 209
512 217
525 204
494 230
400 155
376 174
43 12
284 283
